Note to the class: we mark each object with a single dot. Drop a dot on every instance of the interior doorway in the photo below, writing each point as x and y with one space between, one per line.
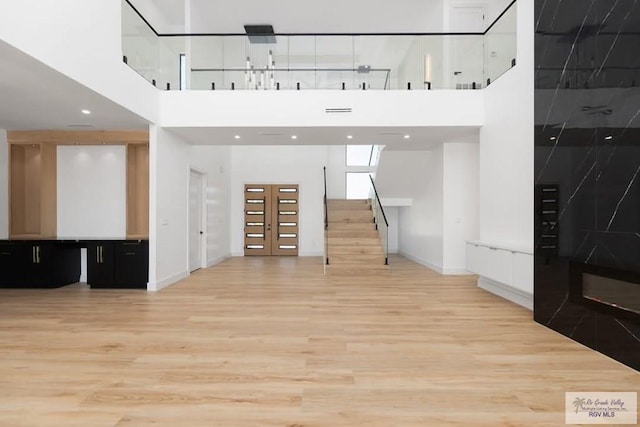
466 53
196 223
271 219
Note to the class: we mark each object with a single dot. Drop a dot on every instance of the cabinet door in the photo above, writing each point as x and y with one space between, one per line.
132 264
100 264
12 264
39 265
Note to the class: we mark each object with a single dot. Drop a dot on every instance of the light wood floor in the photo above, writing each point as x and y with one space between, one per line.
273 342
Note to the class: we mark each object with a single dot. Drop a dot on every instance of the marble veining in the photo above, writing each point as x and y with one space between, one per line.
627 329
615 212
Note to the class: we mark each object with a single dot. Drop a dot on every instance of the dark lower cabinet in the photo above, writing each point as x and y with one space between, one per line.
132 264
13 264
118 264
38 264
100 264
56 263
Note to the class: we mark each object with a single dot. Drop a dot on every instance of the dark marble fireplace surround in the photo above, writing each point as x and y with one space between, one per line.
587 167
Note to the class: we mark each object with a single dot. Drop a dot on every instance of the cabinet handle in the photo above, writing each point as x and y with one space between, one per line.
5 253
101 254
130 253
33 254
38 254
97 254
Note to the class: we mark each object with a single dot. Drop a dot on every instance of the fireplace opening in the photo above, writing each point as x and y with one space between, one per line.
609 289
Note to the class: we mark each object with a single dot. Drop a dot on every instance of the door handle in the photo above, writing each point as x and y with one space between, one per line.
278 218
264 218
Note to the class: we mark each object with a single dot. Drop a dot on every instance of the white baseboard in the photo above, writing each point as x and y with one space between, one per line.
438 269
456 272
217 260
512 294
161 284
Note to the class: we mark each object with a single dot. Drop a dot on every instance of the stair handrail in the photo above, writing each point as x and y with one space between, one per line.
326 219
375 191
385 236
326 216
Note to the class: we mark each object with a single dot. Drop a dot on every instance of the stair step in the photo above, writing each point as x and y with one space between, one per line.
350 215
368 259
359 270
351 226
370 233
351 249
354 241
348 204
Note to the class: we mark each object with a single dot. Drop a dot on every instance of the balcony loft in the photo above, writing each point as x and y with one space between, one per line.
289 62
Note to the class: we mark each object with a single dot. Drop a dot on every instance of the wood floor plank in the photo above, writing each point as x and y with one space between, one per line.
274 342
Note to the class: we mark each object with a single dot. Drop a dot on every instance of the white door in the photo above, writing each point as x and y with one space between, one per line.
467 51
196 232
468 18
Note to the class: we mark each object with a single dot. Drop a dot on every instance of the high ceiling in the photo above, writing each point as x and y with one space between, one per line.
295 16
35 96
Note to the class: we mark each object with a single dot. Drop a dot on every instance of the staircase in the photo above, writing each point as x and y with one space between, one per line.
352 240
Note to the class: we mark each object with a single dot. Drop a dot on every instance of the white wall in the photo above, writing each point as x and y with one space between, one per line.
307 108
460 203
168 199
215 162
92 191
392 213
416 175
507 152
283 165
506 147
82 40
4 185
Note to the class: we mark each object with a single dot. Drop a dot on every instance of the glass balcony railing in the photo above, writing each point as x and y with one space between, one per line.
339 62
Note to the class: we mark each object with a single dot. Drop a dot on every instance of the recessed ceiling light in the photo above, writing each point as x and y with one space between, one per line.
294 137
407 136
553 138
608 137
85 111
349 136
236 137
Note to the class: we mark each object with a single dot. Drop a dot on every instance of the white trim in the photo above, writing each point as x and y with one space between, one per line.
436 268
507 292
420 261
514 249
161 284
217 260
456 272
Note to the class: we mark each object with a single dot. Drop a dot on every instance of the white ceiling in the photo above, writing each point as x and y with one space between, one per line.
294 16
421 138
34 96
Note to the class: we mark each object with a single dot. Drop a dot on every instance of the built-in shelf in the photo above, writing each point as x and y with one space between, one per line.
32 190
33 179
137 191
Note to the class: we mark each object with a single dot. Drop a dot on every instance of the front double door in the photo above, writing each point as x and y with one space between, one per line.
271 217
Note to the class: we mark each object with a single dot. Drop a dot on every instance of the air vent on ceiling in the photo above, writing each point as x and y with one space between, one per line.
79 126
338 110
270 134
391 133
